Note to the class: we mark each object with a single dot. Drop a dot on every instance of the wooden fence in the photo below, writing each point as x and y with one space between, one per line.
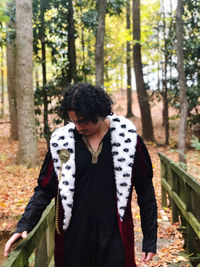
40 240
183 191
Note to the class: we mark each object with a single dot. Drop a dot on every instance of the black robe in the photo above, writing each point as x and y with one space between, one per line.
93 237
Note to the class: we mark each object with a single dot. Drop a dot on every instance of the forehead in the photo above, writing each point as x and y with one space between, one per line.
72 115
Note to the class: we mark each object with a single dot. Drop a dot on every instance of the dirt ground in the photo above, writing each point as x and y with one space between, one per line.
17 184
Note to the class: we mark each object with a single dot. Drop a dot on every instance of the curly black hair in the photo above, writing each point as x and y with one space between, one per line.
87 101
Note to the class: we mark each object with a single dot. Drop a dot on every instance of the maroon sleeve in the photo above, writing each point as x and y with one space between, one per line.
146 196
43 193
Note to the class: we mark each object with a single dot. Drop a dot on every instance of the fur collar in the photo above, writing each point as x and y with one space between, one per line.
123 141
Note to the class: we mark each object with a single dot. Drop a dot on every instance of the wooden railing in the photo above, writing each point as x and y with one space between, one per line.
183 191
39 241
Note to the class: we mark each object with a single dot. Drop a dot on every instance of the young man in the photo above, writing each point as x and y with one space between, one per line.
92 166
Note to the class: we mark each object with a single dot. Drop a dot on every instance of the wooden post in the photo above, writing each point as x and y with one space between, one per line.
191 241
50 240
163 175
175 211
41 258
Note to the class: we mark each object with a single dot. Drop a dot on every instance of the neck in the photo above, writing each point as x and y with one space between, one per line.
103 126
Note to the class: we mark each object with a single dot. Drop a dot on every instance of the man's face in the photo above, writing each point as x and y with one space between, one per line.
83 127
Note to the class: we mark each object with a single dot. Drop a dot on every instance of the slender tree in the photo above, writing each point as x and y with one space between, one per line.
182 82
28 151
11 85
2 83
44 72
72 74
147 126
11 71
99 53
164 81
128 64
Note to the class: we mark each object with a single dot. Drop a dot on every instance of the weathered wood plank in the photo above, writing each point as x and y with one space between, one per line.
182 207
23 251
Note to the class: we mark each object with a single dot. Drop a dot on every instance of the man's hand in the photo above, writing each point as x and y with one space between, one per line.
147 256
12 240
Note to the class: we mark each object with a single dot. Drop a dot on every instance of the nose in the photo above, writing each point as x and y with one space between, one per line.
79 127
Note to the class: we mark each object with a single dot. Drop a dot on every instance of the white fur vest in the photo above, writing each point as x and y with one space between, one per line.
123 142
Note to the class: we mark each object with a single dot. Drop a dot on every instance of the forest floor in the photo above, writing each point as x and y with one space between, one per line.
17 184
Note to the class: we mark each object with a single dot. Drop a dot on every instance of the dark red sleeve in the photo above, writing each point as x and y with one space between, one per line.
146 197
43 193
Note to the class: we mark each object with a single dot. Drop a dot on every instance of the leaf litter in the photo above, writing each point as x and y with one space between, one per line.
17 184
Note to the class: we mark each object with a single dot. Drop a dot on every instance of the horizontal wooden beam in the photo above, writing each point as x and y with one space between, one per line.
20 255
187 178
182 207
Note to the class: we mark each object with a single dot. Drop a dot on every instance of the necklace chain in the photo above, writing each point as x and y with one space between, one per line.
94 154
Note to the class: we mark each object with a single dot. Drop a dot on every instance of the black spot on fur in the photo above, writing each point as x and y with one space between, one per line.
128 140
116 119
64 197
126 175
116 144
68 167
63 175
132 131
112 129
114 153
69 205
70 130
130 164
65 144
122 134
55 160
54 144
58 168
123 184
72 189
70 150
118 168
126 150
131 156
121 159
65 183
123 126
58 151
61 138
122 208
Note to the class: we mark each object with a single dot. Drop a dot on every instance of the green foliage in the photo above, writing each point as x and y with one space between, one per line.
53 94
191 58
115 7
3 20
191 21
195 143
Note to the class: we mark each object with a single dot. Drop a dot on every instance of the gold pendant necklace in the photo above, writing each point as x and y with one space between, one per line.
95 154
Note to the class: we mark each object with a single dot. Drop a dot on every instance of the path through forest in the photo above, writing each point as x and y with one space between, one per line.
17 185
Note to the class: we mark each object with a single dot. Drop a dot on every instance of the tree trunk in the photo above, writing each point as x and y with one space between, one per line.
182 82
2 84
147 126
11 76
83 50
158 62
11 84
165 89
44 73
128 64
72 74
28 150
99 53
